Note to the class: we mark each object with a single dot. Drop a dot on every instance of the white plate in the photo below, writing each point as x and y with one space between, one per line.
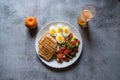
54 63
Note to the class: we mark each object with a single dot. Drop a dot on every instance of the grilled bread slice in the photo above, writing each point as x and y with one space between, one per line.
47 47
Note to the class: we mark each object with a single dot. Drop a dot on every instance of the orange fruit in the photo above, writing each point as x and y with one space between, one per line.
31 22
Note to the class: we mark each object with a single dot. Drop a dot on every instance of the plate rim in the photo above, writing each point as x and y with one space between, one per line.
52 23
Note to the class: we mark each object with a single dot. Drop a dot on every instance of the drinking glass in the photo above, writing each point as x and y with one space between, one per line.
88 12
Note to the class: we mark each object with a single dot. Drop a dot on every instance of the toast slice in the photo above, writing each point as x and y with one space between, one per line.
47 47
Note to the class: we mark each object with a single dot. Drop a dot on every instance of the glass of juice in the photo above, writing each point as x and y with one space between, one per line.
88 12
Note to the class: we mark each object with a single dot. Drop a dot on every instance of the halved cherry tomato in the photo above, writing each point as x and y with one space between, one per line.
78 41
71 35
67 52
66 59
59 55
63 48
73 42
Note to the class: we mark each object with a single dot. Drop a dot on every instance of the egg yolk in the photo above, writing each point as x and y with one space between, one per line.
66 30
52 31
60 38
59 30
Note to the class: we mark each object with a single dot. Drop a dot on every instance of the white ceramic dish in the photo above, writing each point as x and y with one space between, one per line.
53 63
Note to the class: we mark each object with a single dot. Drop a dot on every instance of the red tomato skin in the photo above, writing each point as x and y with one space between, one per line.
71 35
73 42
59 55
66 52
63 49
78 41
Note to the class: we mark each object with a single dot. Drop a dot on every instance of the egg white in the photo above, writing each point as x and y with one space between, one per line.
58 39
66 34
52 28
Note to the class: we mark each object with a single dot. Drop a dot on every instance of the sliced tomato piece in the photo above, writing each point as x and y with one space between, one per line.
59 55
71 35
66 59
67 52
63 48
78 41
73 42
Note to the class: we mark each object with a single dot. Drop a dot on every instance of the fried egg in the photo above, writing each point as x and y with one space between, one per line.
52 31
59 38
66 31
59 28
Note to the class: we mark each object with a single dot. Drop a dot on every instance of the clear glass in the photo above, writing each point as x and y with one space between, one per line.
88 12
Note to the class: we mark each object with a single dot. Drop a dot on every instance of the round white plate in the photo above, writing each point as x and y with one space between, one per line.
53 63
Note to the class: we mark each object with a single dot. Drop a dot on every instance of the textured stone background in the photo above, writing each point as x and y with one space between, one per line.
100 59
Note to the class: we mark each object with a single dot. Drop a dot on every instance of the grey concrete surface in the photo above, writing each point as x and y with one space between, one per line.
100 59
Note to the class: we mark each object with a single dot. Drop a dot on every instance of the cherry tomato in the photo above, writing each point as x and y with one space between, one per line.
71 35
59 55
66 59
67 52
63 48
73 42
78 41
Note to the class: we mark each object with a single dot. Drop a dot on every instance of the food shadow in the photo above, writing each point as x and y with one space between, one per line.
33 32
86 33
